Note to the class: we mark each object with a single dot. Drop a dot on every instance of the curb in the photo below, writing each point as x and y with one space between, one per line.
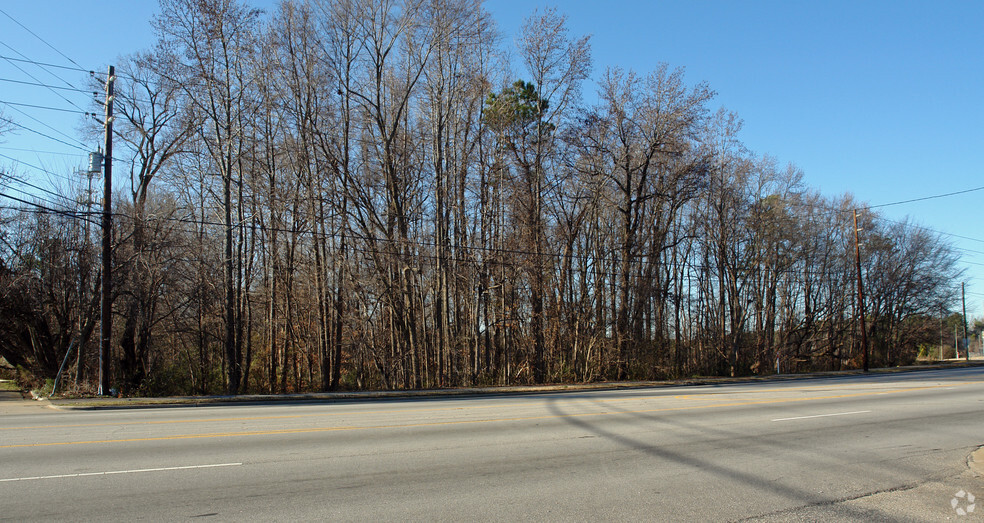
258 399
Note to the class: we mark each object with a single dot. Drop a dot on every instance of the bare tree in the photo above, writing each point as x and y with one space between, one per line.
529 116
213 39
154 127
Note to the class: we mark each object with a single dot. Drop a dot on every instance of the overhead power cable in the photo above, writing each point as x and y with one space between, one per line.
36 79
37 198
966 250
48 136
35 187
43 64
930 229
955 193
38 84
45 42
46 171
35 151
430 258
69 214
417 243
18 104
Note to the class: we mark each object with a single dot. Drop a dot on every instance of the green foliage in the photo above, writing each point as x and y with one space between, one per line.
953 321
172 380
349 381
517 109
931 351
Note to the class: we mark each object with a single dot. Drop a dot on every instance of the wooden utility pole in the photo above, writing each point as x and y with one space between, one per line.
963 299
941 332
106 315
857 258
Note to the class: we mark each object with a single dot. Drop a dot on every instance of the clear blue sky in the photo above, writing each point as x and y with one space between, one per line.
882 99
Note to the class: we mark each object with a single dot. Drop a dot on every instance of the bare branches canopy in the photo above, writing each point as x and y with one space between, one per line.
359 194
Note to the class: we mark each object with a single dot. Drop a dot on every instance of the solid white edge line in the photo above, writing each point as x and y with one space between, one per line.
824 415
107 473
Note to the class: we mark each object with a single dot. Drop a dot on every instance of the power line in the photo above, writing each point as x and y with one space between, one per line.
48 136
39 199
69 214
18 104
791 274
49 173
416 243
837 211
924 198
38 84
637 259
930 229
42 189
39 38
36 79
35 151
46 171
904 223
45 69
959 236
43 64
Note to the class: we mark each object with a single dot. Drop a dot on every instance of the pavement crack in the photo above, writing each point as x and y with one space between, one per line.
831 502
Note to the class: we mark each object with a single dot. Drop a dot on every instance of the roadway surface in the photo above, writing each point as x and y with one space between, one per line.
875 447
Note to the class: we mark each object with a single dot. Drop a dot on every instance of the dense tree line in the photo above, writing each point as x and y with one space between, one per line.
363 194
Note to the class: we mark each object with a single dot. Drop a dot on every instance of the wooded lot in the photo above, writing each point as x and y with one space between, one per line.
363 194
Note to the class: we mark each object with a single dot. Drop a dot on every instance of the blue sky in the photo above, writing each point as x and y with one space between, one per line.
882 99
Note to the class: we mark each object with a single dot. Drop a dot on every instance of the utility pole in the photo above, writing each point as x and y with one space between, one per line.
95 165
963 299
106 316
941 332
857 259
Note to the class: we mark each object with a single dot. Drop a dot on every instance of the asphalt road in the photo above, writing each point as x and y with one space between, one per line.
876 447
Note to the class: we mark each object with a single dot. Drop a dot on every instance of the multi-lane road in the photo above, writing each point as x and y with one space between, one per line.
882 446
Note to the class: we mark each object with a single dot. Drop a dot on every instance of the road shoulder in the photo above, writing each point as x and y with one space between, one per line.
976 462
12 402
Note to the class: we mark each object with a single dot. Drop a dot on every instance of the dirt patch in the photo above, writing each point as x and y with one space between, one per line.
976 462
